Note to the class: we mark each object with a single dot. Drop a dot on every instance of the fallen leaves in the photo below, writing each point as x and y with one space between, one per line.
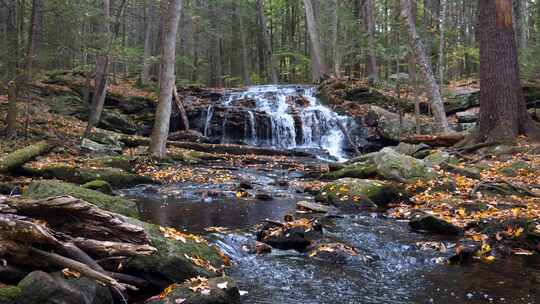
174 234
200 262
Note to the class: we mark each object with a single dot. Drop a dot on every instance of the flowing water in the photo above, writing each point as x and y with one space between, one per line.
391 268
308 125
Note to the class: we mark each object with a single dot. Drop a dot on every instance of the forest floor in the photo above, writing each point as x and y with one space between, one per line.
491 195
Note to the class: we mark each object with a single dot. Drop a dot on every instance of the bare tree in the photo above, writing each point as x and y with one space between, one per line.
432 87
267 42
160 131
149 22
318 66
369 24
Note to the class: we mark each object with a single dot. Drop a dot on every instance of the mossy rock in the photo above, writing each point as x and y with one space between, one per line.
9 294
49 188
439 157
402 168
513 169
68 105
361 192
357 170
170 263
115 177
99 185
39 287
222 290
123 162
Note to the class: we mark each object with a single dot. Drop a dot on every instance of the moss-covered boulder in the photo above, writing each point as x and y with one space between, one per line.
356 170
514 168
439 157
402 168
99 185
49 188
173 260
42 288
115 177
361 193
9 294
221 290
123 162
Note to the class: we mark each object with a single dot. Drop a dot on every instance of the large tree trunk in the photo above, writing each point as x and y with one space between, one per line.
167 80
318 65
145 75
432 87
336 56
245 56
267 42
503 114
369 24
442 41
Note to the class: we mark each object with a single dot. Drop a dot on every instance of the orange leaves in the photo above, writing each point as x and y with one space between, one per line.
174 234
199 285
200 262
167 291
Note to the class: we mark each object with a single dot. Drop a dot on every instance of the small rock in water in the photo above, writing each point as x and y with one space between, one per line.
312 207
430 223
264 196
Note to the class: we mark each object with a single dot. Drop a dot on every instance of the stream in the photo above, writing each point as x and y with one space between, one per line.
391 267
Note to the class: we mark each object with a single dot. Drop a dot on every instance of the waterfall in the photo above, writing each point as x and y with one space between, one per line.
209 113
315 126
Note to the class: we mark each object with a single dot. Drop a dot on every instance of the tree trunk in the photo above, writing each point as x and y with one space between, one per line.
167 80
245 57
267 42
336 56
444 9
318 65
369 24
11 119
432 88
145 75
503 113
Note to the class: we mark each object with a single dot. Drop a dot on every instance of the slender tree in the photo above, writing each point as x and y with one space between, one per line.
267 42
503 113
432 87
149 22
318 66
160 131
369 24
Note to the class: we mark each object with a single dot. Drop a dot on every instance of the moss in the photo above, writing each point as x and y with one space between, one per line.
394 166
361 191
21 156
170 263
99 185
513 169
116 177
48 188
125 163
358 170
9 293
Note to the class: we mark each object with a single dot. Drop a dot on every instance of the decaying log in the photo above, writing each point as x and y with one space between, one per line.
437 140
110 249
21 229
85 219
64 262
20 157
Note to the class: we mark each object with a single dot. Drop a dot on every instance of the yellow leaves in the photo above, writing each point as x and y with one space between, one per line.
167 291
333 247
68 273
241 194
199 285
174 234
200 262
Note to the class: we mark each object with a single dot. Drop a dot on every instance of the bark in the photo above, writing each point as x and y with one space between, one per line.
336 56
369 24
167 80
11 118
503 113
318 65
151 12
245 57
432 87
442 32
181 109
267 42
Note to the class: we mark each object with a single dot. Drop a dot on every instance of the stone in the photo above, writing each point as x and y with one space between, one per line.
99 185
114 120
334 253
222 290
313 207
297 235
439 157
88 145
39 287
264 196
402 168
356 170
353 193
390 125
433 224
412 149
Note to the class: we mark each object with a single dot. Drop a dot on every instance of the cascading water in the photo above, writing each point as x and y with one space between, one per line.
304 124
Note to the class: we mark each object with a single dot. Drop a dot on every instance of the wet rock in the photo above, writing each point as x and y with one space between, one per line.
336 253
8 188
99 185
116 121
189 135
221 290
357 170
49 188
313 207
352 193
245 184
43 288
264 196
402 168
469 116
430 223
297 235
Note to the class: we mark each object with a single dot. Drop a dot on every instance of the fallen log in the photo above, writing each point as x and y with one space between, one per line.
111 249
436 140
20 157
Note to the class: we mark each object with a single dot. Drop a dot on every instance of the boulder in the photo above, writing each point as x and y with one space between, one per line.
9 294
439 157
347 193
42 288
356 170
414 150
49 188
335 253
297 235
390 125
430 223
402 168
313 207
114 120
99 185
221 290
88 145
